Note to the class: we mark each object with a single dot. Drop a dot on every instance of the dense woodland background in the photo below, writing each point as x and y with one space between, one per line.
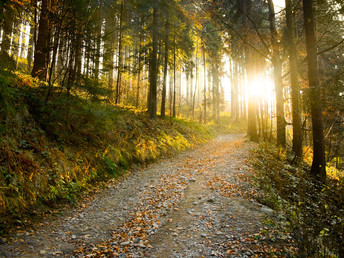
72 71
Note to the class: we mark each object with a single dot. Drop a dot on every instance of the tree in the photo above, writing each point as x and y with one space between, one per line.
119 69
292 51
318 169
153 66
277 65
163 96
40 64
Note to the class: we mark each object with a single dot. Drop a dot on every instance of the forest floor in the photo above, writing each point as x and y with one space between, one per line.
199 203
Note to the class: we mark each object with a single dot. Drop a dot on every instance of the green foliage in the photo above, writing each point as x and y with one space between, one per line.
7 94
315 212
7 61
93 88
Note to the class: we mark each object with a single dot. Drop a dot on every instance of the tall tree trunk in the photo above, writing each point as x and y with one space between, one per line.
171 90
205 88
196 84
40 60
277 65
32 37
119 69
235 87
218 90
174 75
7 30
62 52
153 74
98 40
78 55
243 89
163 96
109 50
252 117
295 88
215 74
231 69
252 103
52 65
318 169
139 72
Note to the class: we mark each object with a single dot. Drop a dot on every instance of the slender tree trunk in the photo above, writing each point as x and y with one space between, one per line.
295 88
98 40
109 50
218 90
252 117
252 104
163 96
318 169
171 90
174 76
78 56
32 37
231 69
236 92
196 84
23 40
119 71
40 61
61 64
205 89
52 65
215 92
244 101
277 65
139 73
153 74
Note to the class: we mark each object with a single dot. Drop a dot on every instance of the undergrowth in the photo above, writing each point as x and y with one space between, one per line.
314 211
51 151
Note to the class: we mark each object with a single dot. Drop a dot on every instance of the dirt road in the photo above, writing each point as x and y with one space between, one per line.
199 203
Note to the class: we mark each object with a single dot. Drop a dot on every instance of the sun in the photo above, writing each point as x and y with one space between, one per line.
261 88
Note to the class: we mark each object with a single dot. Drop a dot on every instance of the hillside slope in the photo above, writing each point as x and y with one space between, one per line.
50 151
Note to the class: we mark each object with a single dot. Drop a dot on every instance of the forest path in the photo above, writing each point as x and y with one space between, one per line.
198 203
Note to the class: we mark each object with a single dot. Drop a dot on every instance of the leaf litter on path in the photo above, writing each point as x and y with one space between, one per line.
199 203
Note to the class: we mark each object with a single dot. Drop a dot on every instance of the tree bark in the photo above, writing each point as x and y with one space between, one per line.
109 51
174 76
277 65
7 30
139 72
40 57
318 169
251 110
295 88
153 74
205 88
119 69
98 40
163 95
32 37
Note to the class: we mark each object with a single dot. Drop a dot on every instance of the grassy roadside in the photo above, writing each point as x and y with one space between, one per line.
313 211
52 151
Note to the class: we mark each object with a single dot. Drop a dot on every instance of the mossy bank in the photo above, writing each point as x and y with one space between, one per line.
53 149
